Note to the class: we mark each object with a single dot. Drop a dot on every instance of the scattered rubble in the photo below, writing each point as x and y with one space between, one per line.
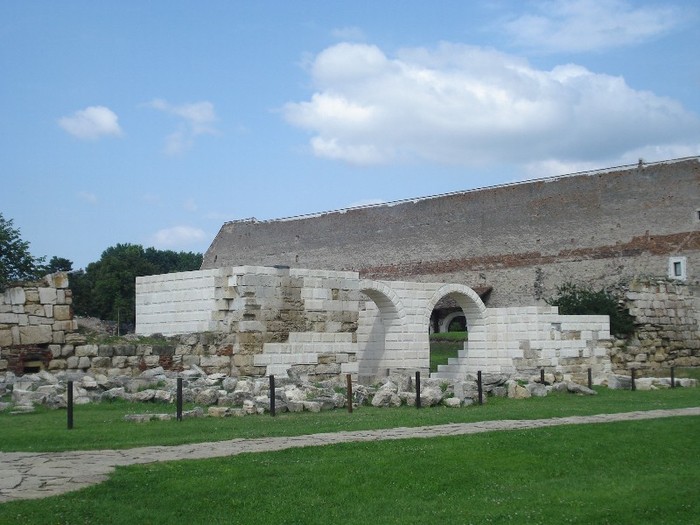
237 396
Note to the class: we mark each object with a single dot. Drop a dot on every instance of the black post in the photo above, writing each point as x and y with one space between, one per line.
349 388
272 396
70 405
179 399
634 387
478 384
417 389
542 375
673 378
590 378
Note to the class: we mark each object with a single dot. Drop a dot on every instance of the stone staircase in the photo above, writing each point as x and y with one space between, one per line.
309 348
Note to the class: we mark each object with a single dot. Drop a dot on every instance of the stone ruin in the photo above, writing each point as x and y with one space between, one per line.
279 318
224 330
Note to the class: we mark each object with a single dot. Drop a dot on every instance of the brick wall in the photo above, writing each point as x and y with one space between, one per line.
522 239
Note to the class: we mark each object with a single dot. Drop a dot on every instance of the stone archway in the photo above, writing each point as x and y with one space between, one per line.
447 321
381 326
474 310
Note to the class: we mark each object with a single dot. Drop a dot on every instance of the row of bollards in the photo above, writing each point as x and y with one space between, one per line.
633 372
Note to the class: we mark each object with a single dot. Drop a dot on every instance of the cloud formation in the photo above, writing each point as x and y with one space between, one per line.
195 119
466 105
91 123
590 25
88 197
178 237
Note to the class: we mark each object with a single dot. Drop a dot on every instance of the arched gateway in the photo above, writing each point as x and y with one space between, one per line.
392 332
337 323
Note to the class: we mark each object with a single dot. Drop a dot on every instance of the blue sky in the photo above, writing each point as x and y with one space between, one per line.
155 122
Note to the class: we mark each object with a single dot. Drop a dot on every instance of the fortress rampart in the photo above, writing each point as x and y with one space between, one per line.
521 240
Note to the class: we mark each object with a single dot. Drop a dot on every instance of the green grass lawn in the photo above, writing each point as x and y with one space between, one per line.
643 472
443 346
100 426
441 351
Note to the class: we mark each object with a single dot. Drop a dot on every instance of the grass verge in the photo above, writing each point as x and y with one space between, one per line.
100 426
603 473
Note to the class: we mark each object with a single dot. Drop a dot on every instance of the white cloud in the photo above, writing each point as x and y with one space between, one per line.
88 197
178 237
195 119
589 25
91 123
468 105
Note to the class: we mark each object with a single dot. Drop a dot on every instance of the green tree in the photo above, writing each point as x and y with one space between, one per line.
107 288
16 262
575 299
58 264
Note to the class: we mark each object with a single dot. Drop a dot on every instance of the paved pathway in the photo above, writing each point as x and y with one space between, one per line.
25 475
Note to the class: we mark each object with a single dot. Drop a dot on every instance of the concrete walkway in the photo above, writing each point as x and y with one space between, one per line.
25 475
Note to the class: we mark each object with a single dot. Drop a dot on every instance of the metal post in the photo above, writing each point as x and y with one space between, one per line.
272 396
673 378
634 387
349 389
70 405
478 384
590 378
179 399
417 389
542 375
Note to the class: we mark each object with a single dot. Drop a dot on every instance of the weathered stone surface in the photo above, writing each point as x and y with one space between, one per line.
616 382
208 396
138 418
5 337
537 389
312 406
452 402
15 295
47 295
144 395
163 396
385 397
229 384
575 388
517 391
35 335
431 396
115 393
218 411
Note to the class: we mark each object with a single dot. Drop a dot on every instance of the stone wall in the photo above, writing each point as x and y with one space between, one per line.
257 306
521 239
35 318
667 319
323 322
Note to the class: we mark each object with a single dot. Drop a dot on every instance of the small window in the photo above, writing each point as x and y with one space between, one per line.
677 268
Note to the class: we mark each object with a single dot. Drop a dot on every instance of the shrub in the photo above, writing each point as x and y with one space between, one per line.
575 299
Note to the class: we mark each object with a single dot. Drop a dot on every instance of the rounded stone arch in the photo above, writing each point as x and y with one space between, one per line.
467 299
445 323
380 331
389 304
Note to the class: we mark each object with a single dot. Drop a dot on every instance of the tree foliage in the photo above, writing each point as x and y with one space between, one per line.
16 262
58 264
575 299
107 288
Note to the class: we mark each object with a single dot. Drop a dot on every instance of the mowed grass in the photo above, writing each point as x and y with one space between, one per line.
101 426
440 353
645 472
